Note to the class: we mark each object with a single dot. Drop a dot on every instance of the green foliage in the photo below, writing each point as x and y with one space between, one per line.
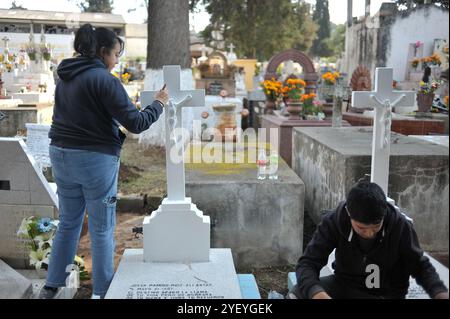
336 42
321 16
105 6
260 28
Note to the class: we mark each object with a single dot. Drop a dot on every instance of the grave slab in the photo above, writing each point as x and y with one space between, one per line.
261 221
12 284
331 160
135 279
285 126
440 140
37 279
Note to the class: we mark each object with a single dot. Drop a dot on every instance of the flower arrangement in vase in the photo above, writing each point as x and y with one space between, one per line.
425 95
31 51
273 91
46 52
293 90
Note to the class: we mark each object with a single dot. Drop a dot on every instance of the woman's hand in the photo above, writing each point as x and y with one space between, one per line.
163 95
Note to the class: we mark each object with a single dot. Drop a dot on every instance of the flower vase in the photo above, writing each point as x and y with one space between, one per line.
424 102
271 105
294 108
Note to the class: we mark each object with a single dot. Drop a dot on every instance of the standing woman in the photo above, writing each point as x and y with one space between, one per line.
90 103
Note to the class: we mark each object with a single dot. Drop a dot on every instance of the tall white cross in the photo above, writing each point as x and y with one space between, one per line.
383 99
178 100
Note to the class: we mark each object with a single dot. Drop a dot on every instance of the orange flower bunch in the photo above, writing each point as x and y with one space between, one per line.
308 97
415 63
272 89
446 101
310 106
434 59
330 78
293 89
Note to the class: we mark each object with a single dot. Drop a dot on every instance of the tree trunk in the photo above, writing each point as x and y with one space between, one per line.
168 34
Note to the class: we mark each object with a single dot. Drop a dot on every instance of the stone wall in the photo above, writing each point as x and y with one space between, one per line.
383 40
330 161
15 119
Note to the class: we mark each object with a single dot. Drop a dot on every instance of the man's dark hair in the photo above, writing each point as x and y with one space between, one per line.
366 203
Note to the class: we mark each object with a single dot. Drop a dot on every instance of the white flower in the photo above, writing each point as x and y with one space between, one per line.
39 257
41 241
23 229
79 261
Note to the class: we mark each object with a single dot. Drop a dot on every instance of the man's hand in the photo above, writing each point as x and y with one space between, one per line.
163 95
321 295
441 295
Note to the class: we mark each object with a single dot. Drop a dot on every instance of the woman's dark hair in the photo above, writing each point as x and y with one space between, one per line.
89 40
366 203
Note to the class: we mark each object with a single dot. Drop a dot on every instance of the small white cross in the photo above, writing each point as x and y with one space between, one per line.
6 40
231 47
382 99
178 99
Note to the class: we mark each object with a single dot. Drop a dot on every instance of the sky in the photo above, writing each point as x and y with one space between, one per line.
338 9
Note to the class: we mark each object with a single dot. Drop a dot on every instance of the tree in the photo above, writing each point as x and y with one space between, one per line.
105 6
168 34
15 6
260 28
337 40
307 28
322 17
409 4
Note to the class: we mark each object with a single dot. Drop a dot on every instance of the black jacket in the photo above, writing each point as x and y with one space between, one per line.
89 105
396 252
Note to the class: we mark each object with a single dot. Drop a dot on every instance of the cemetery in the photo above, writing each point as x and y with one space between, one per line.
258 139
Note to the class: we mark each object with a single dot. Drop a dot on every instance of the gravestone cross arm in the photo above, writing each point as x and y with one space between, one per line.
382 99
173 120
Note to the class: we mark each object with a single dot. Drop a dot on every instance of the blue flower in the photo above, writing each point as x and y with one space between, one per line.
45 224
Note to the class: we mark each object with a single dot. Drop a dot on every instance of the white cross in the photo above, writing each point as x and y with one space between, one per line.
383 99
231 47
42 35
178 100
5 41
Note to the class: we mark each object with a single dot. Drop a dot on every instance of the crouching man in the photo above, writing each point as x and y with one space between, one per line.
377 250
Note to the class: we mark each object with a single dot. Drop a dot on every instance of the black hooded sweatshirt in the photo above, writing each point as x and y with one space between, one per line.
396 252
90 103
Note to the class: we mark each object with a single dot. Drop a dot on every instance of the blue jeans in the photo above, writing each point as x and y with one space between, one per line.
86 181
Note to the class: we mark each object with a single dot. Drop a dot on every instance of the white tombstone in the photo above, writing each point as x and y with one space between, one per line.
176 261
382 99
24 192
